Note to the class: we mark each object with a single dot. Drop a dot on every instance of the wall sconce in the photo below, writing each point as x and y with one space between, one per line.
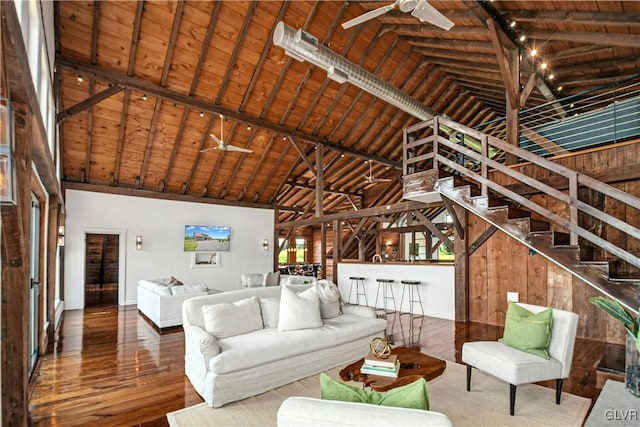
61 235
265 244
8 193
138 243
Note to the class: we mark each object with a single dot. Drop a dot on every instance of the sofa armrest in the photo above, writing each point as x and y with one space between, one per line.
199 341
307 411
359 310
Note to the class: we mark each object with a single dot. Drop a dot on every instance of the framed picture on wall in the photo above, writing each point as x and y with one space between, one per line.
205 259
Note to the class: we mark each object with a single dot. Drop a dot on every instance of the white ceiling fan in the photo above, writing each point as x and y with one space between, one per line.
371 180
221 145
421 9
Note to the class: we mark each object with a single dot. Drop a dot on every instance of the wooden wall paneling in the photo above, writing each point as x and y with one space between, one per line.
498 277
537 269
592 324
559 288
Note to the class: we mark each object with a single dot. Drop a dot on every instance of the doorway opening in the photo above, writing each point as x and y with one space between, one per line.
101 269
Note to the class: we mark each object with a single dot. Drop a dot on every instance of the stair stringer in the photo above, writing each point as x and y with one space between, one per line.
590 273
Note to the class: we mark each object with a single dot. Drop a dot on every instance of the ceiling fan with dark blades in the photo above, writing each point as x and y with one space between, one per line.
421 9
221 145
371 180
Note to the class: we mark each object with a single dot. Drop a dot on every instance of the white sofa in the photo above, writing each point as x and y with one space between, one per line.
162 304
311 412
236 367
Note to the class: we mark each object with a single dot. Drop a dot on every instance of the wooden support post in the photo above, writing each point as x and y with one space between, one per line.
323 250
16 232
461 270
513 108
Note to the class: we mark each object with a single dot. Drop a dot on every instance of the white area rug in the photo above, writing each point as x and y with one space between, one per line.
487 404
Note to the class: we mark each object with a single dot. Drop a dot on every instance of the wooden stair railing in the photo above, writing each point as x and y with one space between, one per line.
474 185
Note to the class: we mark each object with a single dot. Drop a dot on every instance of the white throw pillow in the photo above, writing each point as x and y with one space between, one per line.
188 289
251 280
272 279
298 311
270 308
229 319
328 310
327 291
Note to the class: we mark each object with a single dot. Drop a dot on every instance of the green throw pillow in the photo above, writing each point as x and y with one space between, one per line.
527 331
412 395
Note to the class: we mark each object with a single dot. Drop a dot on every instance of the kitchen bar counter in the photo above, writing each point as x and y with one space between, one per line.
436 286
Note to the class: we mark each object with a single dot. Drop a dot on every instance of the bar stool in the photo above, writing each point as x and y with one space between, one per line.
387 290
360 289
387 297
413 290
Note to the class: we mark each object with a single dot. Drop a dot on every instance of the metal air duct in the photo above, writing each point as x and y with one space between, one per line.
302 46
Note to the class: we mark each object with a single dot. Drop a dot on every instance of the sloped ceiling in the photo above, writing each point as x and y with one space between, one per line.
156 75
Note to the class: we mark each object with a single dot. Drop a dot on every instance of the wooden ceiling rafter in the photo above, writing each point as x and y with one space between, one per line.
194 83
263 56
232 178
149 88
609 39
248 17
135 35
158 102
310 67
257 168
629 19
473 46
203 142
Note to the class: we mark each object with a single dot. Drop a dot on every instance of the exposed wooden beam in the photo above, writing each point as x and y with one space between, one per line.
239 43
366 212
87 103
327 189
434 230
303 156
531 83
456 45
612 39
126 191
576 16
481 239
202 105
454 217
505 65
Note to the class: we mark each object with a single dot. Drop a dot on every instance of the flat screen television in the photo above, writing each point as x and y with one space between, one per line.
204 238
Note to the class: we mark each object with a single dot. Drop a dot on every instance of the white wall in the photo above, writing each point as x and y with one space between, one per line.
161 225
437 285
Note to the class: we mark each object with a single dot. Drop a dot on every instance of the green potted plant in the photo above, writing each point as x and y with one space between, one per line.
632 325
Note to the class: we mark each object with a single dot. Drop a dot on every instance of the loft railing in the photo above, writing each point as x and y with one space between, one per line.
426 146
603 115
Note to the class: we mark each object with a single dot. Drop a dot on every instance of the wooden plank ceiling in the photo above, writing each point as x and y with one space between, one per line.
156 75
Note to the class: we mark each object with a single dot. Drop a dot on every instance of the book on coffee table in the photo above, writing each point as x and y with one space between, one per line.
382 371
372 360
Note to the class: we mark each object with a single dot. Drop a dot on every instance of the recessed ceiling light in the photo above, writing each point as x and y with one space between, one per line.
79 78
559 88
201 113
523 38
543 65
533 52
248 127
144 97
551 76
512 24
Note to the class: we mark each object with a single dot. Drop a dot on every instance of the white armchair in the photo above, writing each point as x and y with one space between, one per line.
518 367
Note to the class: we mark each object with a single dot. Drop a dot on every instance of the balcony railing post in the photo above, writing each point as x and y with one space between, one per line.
485 154
573 210
404 152
436 135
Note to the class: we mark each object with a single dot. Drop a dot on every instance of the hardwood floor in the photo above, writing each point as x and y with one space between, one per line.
109 366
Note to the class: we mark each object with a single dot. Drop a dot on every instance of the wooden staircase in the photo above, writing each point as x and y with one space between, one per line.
473 187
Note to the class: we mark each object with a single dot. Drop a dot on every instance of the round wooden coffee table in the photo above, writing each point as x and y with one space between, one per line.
413 366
